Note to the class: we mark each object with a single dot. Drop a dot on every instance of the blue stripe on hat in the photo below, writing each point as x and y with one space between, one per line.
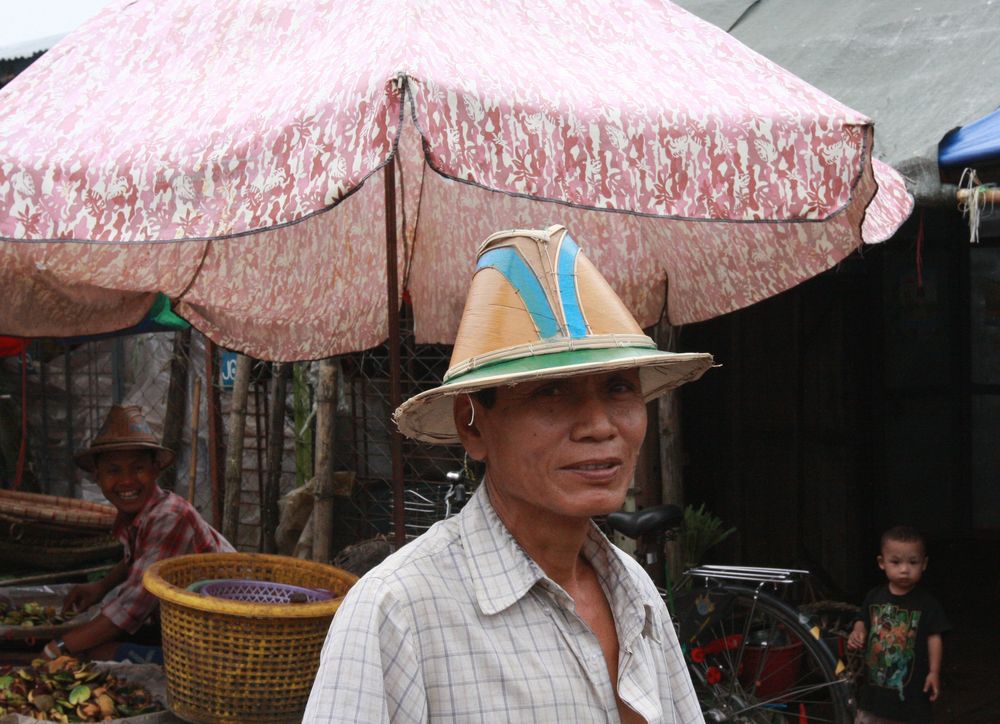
566 269
508 262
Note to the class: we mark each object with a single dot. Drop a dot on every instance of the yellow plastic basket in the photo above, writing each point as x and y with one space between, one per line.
232 661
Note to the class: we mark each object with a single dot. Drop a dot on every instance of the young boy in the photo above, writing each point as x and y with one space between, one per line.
152 524
900 626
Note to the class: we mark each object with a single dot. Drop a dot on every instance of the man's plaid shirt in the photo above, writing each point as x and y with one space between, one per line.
167 526
462 625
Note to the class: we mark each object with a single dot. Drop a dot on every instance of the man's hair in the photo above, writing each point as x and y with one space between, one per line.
903 534
487 398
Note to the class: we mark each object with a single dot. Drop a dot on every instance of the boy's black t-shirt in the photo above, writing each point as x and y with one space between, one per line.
896 658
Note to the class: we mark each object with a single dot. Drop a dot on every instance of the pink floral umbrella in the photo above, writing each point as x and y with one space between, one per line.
227 155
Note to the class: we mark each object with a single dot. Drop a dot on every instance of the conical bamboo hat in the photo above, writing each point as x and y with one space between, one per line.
536 309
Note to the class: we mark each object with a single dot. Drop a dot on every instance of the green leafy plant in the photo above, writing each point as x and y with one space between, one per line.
702 531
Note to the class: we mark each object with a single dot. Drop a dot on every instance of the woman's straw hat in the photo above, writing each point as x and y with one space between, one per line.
124 429
538 309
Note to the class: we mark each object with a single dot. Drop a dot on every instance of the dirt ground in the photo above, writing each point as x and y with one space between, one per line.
965 575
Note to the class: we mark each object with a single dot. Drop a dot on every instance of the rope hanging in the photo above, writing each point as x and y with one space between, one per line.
973 197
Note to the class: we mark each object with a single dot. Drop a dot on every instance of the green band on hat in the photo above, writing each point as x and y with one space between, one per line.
553 361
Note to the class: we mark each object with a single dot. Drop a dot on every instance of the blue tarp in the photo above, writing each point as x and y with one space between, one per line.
974 143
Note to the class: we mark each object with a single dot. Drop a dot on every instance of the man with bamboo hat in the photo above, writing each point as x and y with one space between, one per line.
152 524
519 609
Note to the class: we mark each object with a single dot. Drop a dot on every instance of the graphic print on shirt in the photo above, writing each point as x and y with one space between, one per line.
891 646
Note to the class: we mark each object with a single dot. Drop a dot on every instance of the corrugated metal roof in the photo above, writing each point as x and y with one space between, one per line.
919 69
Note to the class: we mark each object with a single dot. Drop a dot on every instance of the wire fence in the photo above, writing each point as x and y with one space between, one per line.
70 388
363 432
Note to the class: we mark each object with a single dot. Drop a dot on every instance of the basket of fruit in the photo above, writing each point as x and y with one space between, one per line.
34 613
232 660
66 690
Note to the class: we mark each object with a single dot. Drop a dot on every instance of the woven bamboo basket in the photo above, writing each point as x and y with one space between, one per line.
55 511
56 553
231 661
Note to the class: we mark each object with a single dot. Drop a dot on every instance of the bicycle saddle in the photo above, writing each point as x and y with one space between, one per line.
650 520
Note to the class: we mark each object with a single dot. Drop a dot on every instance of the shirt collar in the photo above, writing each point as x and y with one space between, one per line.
123 521
635 609
502 573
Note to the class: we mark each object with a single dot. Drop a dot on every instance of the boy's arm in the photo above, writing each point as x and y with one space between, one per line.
857 638
935 652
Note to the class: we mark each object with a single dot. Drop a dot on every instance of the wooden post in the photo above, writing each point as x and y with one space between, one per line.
234 449
175 414
213 411
73 475
668 420
276 449
323 506
301 412
195 410
395 391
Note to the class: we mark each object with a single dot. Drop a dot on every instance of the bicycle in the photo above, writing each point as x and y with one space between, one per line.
752 658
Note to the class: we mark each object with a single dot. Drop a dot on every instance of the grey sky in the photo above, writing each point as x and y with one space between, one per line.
27 27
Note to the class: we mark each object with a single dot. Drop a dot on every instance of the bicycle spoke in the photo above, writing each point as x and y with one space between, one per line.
753 661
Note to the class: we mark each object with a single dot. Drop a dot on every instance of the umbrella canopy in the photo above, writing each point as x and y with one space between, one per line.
226 153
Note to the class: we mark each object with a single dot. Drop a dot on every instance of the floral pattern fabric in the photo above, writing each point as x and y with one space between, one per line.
229 155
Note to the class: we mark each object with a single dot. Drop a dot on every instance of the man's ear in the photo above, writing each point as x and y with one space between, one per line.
881 561
465 410
924 567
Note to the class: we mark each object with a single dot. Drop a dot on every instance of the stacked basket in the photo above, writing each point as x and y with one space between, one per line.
237 661
55 533
57 513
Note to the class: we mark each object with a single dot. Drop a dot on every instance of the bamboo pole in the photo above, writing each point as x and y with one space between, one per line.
989 195
276 448
234 449
195 410
323 505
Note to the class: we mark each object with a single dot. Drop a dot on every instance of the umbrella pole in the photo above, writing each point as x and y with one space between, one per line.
395 393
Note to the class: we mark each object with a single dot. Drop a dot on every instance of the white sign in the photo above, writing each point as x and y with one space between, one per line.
227 369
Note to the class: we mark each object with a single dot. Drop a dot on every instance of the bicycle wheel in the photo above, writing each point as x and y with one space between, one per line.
752 660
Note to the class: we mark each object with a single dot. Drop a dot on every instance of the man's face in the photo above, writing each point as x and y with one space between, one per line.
564 448
127 478
904 563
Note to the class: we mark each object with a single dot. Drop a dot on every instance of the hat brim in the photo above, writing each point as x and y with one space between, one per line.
85 459
428 416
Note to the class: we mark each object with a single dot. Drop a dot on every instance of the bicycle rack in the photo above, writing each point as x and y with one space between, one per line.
777 576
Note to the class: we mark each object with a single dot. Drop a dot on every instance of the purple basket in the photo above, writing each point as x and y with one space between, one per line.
263 592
